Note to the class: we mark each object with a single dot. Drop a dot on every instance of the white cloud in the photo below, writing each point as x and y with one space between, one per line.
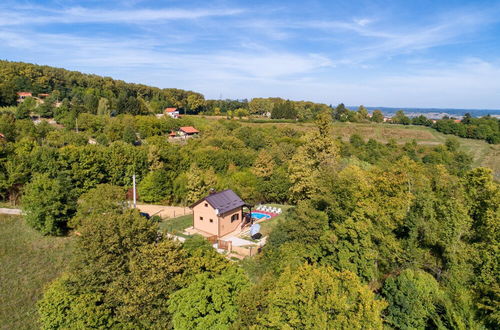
250 57
38 15
362 21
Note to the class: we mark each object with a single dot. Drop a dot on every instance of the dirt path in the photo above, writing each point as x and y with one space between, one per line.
164 211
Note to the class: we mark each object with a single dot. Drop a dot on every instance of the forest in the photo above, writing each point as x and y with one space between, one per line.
379 235
77 93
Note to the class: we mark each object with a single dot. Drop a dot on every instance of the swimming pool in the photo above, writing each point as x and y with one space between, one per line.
259 215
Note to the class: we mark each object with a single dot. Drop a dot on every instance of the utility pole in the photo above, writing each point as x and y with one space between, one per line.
133 192
76 124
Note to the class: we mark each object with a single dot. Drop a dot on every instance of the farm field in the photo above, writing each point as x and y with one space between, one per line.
29 262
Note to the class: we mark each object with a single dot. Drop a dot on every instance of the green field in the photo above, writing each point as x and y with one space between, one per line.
267 226
484 154
29 261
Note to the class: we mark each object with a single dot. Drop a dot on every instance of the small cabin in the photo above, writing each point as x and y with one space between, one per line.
188 131
219 213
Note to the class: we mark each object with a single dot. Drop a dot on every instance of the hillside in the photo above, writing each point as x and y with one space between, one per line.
29 262
88 90
483 153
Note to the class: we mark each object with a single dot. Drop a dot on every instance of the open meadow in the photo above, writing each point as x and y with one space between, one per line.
29 261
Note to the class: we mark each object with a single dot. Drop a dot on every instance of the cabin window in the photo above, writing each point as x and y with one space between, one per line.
235 217
201 218
206 204
211 220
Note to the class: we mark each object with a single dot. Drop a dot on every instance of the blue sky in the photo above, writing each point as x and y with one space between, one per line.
377 53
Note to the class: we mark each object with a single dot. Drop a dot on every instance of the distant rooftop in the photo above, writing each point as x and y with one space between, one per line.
189 129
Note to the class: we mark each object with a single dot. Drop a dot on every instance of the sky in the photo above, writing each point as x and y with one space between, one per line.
408 53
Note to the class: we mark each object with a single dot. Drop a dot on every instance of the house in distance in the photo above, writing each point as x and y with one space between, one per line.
172 112
219 213
23 95
188 131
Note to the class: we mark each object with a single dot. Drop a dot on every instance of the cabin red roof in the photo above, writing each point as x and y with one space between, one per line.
189 129
170 109
23 93
172 134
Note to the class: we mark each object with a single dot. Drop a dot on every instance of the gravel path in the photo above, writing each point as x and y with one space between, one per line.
10 211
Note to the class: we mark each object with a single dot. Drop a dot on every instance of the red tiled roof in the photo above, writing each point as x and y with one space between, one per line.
172 134
170 109
189 129
24 93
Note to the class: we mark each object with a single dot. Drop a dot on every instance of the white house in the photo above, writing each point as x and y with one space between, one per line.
172 112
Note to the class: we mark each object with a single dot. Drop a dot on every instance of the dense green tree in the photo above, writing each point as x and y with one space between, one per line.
199 183
318 153
363 113
317 297
377 116
45 109
88 296
103 107
284 110
260 106
413 297
400 118
129 135
48 205
102 199
25 108
156 272
208 302
155 186
63 306
483 195
341 112
264 165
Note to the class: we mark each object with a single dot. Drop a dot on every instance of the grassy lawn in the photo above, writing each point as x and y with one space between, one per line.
177 225
8 205
29 261
267 226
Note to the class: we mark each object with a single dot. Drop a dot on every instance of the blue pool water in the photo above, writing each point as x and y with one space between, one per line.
259 215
